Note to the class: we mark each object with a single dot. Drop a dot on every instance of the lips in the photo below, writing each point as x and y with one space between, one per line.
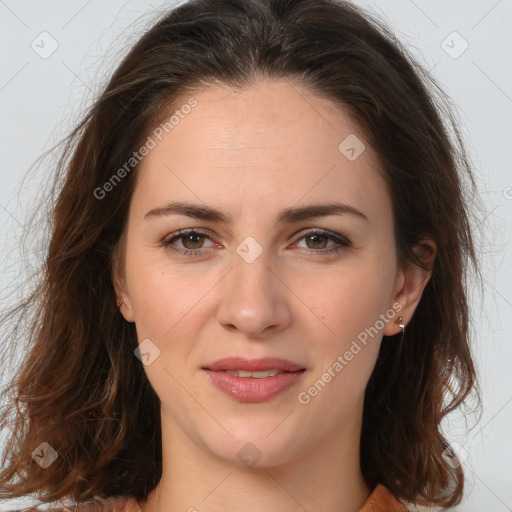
253 365
253 380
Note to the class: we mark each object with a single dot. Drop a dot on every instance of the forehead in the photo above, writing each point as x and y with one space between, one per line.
241 118
272 140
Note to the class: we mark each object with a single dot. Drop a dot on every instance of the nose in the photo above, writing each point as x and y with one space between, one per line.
254 298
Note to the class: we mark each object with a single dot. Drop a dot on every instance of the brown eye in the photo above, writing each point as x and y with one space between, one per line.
316 241
192 241
188 242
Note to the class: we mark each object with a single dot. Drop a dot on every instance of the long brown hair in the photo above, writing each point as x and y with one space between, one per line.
81 390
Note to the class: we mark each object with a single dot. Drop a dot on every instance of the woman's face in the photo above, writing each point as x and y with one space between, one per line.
265 277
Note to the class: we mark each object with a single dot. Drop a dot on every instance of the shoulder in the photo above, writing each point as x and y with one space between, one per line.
111 504
381 500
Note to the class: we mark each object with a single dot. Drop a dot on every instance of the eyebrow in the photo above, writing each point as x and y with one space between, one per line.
288 215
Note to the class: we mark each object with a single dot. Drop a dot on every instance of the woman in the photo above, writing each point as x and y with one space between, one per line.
254 293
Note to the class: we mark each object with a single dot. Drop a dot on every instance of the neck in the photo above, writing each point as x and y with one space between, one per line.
326 477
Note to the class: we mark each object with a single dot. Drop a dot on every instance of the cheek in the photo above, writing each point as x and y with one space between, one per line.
349 300
168 302
163 296
349 306
165 308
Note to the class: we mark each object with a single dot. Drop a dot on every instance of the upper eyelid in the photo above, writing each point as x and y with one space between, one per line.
302 233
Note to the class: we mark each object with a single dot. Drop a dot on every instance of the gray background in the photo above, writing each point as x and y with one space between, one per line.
43 93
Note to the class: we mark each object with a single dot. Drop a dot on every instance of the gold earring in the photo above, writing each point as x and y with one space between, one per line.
120 303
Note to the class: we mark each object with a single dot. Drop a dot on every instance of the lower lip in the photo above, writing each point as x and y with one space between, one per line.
251 390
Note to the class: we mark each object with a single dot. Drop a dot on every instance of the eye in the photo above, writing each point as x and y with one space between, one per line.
313 239
193 242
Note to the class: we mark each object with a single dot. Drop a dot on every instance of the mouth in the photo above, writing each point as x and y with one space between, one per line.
264 364
253 381
254 375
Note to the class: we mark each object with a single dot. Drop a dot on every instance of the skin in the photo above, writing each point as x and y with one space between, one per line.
250 154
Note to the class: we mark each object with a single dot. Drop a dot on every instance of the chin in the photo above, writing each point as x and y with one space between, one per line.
254 446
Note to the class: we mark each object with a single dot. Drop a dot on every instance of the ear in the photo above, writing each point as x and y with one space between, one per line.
119 282
410 283
125 307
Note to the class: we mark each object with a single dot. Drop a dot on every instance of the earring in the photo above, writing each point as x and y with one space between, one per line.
120 303
400 322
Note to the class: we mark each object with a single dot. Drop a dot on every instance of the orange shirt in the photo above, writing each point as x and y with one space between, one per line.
380 500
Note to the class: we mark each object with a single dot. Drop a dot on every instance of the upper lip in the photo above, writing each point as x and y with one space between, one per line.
253 365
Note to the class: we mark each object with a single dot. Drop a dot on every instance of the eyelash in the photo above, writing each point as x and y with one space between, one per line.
344 243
